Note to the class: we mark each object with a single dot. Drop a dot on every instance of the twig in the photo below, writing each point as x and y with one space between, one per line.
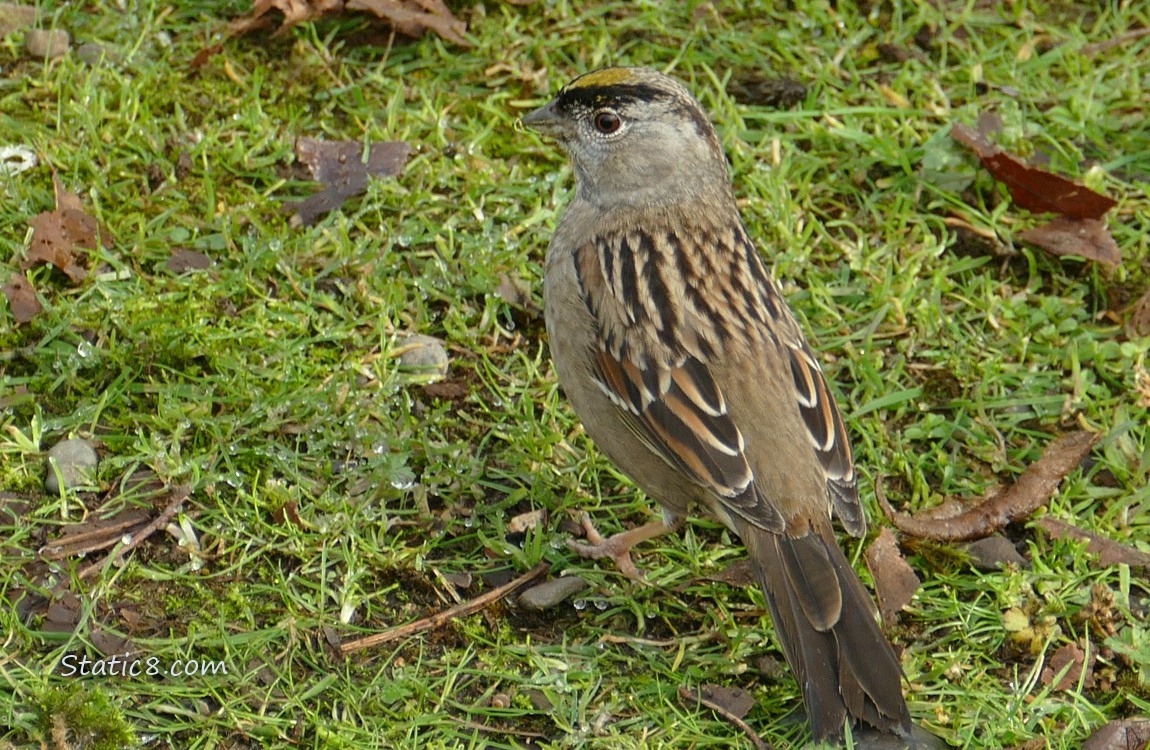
177 495
440 619
1108 44
698 697
83 542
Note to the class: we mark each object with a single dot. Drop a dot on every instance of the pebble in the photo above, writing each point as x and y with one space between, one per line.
94 53
49 43
425 355
551 593
995 552
77 461
15 16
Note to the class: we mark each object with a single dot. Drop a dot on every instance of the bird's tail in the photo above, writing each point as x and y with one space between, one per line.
826 625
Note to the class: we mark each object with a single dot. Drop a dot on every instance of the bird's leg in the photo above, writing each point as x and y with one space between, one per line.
618 546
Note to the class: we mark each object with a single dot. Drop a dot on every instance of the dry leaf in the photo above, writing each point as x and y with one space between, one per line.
730 703
59 236
294 12
1034 189
412 17
1017 502
1080 669
894 580
1139 322
1109 551
22 298
1088 238
339 166
1127 734
524 521
184 260
408 17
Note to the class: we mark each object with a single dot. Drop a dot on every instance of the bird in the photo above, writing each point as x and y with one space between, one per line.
673 344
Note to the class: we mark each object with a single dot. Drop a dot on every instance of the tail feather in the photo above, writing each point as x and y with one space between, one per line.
825 623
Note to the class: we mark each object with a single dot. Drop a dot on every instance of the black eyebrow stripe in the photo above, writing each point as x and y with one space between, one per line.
593 97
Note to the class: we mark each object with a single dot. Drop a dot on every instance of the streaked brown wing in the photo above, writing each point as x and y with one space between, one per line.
828 434
679 412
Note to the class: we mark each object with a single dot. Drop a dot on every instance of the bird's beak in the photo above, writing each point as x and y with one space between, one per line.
545 119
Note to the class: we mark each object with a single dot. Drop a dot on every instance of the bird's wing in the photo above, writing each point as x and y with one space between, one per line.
654 342
827 432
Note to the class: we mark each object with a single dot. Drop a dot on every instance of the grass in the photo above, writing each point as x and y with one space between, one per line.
268 382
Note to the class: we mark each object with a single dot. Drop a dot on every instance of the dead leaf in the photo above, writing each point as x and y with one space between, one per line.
524 521
294 13
752 87
1034 189
517 293
995 552
58 236
730 703
288 515
200 59
1126 734
408 17
413 17
1080 669
1088 238
63 612
111 644
22 298
448 390
1139 322
339 165
894 580
1017 502
184 260
1142 385
1109 551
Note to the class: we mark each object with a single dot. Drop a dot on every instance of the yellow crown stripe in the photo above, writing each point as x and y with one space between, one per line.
605 77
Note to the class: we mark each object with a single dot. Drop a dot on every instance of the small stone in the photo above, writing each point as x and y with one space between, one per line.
423 355
94 53
551 593
47 43
15 16
77 462
995 552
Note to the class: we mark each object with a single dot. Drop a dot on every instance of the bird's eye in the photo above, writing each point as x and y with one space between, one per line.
607 122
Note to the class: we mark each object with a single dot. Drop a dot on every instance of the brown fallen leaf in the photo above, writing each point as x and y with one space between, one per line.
1034 189
1017 502
1139 322
994 552
183 260
59 236
1088 238
413 17
1126 734
1081 668
22 298
294 13
731 703
340 167
408 17
894 580
1109 551
200 59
